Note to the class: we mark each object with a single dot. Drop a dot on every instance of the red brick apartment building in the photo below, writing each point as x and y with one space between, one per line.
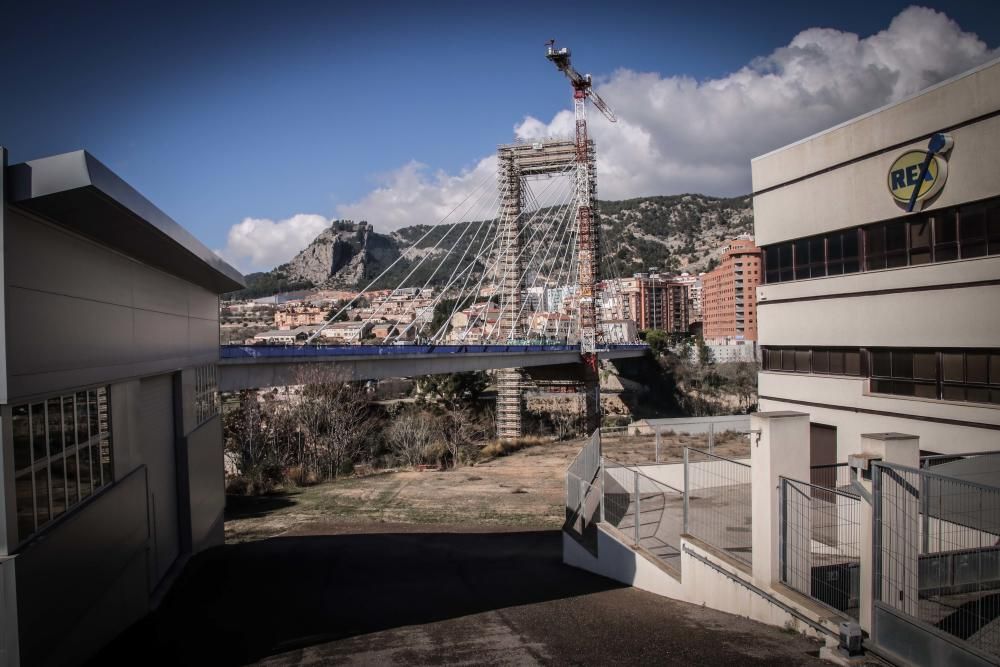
729 296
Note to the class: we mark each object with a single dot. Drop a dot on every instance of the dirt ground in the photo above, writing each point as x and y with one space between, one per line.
525 489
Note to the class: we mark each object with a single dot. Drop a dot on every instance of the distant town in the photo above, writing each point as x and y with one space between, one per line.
718 306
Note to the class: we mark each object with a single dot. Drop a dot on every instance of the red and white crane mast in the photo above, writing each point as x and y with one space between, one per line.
589 264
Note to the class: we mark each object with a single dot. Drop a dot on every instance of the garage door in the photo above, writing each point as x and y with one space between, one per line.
156 438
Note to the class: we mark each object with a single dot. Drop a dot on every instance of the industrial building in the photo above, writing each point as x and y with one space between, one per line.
874 317
111 454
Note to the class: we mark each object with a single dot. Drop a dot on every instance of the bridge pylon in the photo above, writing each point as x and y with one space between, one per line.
573 158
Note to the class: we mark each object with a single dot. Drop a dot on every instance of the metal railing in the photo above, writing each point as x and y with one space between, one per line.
588 460
831 476
583 509
583 493
255 351
717 503
820 553
936 548
649 512
657 443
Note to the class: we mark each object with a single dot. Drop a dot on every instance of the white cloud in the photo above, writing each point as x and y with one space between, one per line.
677 134
413 195
260 244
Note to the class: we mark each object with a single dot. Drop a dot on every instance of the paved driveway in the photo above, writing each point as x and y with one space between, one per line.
401 594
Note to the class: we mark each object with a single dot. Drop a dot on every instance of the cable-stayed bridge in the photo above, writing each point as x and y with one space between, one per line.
508 279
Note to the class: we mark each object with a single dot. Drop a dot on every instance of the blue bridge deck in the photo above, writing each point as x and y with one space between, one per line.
287 351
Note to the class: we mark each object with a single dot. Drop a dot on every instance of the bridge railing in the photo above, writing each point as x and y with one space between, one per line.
266 351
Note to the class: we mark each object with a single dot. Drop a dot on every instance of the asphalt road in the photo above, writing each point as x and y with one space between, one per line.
401 594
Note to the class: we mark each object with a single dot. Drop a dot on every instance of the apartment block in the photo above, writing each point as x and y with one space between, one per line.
655 301
729 304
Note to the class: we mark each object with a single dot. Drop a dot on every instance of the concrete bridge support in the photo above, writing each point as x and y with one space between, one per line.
509 280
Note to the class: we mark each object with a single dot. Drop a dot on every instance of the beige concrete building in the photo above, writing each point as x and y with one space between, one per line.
874 317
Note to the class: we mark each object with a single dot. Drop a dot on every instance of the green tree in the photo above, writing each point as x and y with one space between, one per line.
658 341
453 389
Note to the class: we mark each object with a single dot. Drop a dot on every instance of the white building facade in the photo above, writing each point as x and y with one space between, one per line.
874 317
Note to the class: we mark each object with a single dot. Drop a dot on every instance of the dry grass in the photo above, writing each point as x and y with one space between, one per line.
504 447
521 489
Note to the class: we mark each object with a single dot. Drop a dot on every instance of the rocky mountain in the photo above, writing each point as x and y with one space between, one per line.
674 233
343 255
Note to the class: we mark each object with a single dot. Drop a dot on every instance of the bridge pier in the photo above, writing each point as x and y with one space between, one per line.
510 385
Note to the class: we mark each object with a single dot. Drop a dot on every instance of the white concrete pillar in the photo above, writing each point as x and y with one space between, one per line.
780 449
901 449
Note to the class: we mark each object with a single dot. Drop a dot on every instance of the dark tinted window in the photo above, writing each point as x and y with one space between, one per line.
788 360
953 364
925 365
920 241
902 364
801 259
945 237
817 262
852 362
976 367
802 361
821 361
895 245
785 262
836 362
771 265
972 231
882 363
875 247
852 263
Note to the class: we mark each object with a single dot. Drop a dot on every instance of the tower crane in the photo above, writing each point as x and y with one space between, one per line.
587 228
582 85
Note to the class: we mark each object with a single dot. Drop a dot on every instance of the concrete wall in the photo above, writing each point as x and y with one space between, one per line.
80 314
700 584
206 484
945 427
86 581
914 306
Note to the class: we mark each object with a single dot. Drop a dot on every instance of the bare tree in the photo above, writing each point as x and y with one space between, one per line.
460 430
335 418
411 431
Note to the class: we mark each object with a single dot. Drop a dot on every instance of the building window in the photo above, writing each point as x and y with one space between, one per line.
206 393
62 455
964 232
952 375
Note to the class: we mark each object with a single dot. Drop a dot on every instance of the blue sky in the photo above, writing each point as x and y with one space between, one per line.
265 110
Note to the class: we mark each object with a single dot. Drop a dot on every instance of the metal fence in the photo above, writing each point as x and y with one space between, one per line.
588 460
255 351
937 553
717 502
646 510
583 493
659 443
583 510
831 476
820 554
